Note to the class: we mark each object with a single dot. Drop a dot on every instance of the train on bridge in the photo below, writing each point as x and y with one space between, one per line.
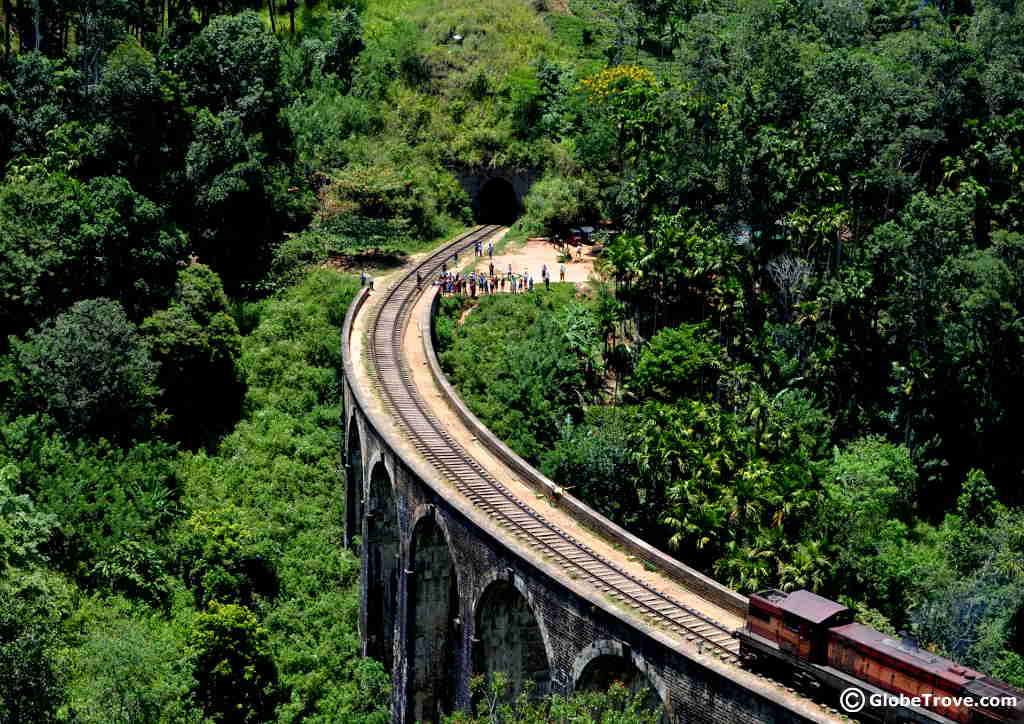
876 677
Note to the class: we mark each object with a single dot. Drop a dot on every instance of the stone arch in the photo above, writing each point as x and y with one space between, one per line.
354 494
381 553
433 621
496 202
605 662
508 637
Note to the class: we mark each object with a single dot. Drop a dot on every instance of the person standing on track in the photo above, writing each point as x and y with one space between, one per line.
561 273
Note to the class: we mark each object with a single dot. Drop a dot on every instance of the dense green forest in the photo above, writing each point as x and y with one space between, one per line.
799 372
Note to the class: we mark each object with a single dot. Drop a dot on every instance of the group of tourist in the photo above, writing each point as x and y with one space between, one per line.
490 282
454 282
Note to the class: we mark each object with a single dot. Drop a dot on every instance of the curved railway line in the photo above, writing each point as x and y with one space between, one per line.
393 378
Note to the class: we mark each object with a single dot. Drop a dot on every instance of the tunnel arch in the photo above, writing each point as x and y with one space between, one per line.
509 638
381 551
354 493
604 663
496 202
433 622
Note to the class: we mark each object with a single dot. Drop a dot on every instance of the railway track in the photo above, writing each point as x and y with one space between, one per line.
427 434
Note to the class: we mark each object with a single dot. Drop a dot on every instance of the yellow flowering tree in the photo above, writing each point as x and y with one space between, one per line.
627 94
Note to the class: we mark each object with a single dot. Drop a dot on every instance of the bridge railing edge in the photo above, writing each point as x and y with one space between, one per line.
346 332
701 584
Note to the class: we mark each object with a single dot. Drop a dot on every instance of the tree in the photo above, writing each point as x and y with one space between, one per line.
39 96
912 258
870 481
738 489
197 344
526 392
139 124
110 507
981 337
234 65
222 560
593 461
126 667
32 683
23 527
62 241
235 676
554 204
678 362
871 488
344 44
90 369
239 199
135 248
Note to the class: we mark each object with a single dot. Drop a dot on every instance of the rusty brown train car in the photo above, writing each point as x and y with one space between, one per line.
815 641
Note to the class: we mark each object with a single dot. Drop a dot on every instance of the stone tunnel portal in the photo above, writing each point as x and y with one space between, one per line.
382 545
432 626
496 203
508 639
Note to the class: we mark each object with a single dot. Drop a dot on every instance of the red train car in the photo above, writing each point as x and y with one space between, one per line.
797 622
817 643
899 666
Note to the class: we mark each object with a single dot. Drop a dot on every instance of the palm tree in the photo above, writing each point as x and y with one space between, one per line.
744 568
810 567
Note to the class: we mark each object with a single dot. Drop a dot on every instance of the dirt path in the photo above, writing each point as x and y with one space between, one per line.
530 257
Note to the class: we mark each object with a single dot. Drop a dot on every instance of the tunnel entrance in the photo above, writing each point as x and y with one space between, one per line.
497 203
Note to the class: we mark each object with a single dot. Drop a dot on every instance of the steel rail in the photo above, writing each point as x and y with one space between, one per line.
393 378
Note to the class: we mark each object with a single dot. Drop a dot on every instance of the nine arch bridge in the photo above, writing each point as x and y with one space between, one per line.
473 563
